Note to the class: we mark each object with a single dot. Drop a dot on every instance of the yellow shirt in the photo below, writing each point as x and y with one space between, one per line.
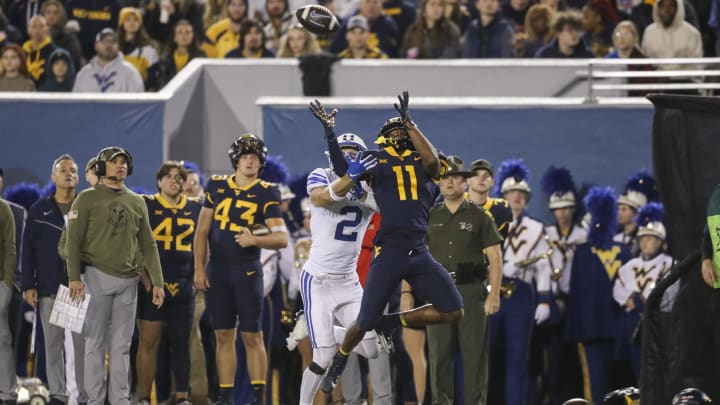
180 60
35 59
219 39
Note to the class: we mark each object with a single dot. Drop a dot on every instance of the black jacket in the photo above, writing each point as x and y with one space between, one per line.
43 269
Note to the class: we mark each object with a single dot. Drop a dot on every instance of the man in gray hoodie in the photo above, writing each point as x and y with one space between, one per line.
670 36
108 72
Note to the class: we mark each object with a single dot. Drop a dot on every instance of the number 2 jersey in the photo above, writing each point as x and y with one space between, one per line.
337 230
404 195
173 227
235 208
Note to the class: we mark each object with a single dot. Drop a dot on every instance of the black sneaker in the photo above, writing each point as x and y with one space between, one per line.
334 371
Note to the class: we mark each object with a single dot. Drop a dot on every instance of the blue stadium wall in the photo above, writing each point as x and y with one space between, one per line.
34 133
600 145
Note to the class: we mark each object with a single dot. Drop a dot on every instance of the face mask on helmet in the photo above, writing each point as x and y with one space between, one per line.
352 142
247 144
393 133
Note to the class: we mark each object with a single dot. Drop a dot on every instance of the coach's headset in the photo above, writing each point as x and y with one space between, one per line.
110 153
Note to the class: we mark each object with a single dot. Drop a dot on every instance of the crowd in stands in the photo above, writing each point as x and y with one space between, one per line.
137 45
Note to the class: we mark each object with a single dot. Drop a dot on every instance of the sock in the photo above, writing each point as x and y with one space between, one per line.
258 388
309 385
225 395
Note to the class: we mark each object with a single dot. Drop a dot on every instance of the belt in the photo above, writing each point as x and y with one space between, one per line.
333 276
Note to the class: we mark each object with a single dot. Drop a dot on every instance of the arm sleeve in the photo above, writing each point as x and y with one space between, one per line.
622 291
148 248
28 255
8 255
77 224
337 158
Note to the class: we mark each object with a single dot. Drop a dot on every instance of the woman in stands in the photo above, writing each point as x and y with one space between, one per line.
135 43
15 75
537 32
432 35
298 42
56 18
161 16
183 48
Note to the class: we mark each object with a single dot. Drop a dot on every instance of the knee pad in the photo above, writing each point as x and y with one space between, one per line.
322 356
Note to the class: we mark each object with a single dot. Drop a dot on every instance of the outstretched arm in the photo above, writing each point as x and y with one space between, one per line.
424 148
328 121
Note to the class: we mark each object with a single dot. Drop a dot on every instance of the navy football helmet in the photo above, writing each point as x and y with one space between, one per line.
623 396
244 144
400 142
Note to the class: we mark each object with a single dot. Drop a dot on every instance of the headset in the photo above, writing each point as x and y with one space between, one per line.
110 153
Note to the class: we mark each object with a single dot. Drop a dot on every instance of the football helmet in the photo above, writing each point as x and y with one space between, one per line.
350 140
244 144
623 396
400 142
691 396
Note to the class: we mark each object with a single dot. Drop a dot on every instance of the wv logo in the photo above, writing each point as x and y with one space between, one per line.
105 81
173 288
609 259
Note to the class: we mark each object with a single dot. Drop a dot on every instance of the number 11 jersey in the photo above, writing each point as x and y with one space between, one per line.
337 230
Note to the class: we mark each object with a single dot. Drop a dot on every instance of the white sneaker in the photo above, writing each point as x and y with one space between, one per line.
299 332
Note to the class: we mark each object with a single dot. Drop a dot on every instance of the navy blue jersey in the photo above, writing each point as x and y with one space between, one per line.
404 195
173 228
235 208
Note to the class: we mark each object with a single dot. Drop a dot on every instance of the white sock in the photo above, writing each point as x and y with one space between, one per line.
309 386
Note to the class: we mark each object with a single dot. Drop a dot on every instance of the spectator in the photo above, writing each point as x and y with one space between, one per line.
90 17
670 36
60 72
356 37
8 33
215 11
343 9
383 33
298 42
489 35
135 43
15 75
21 12
432 35
252 42
625 41
108 72
38 48
537 32
55 17
567 42
599 20
402 12
279 21
162 15
224 35
457 12
8 263
555 5
514 12
181 50
325 40
642 15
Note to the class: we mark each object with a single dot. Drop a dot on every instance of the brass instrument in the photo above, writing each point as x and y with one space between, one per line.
302 252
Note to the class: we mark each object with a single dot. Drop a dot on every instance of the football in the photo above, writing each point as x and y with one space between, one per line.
317 19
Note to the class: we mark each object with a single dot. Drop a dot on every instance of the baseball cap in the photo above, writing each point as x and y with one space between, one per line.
91 164
482 164
357 21
105 32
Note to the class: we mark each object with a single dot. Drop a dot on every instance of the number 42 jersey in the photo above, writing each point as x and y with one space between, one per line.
338 229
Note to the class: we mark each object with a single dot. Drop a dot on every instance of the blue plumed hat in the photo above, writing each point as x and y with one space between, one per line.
640 189
650 221
601 205
275 170
512 175
193 167
23 194
558 184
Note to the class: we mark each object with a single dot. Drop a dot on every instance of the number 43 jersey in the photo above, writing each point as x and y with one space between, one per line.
337 230
173 227
235 208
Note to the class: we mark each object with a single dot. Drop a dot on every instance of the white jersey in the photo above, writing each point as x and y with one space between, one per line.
338 229
563 250
525 250
639 276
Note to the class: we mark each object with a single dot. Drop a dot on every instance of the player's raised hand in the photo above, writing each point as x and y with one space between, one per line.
403 107
359 165
325 118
